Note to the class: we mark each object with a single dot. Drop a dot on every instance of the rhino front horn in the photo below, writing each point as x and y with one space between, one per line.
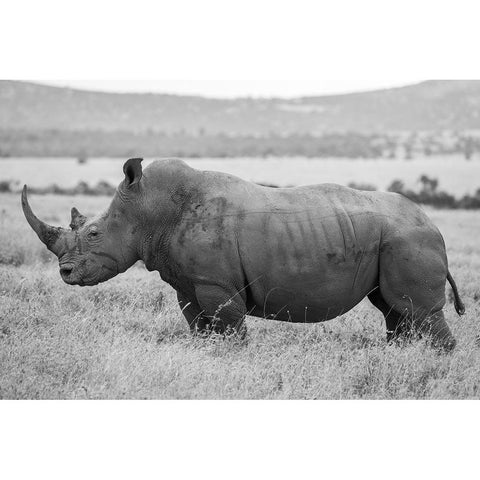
49 235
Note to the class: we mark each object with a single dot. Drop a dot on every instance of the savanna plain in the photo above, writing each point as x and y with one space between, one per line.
127 338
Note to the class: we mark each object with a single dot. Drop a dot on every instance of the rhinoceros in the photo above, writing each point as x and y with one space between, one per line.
232 248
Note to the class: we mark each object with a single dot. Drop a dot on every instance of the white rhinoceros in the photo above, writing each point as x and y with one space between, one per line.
230 248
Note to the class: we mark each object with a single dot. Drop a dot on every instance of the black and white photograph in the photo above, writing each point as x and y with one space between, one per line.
218 204
318 247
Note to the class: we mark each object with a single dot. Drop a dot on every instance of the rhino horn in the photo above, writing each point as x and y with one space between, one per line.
78 220
49 235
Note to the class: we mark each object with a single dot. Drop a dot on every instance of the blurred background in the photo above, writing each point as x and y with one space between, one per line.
421 139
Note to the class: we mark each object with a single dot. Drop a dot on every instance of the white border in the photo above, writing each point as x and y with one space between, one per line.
241 40
248 40
235 439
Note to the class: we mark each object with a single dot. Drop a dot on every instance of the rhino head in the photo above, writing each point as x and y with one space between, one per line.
95 250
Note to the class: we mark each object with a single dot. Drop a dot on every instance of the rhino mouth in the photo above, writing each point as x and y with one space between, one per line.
73 276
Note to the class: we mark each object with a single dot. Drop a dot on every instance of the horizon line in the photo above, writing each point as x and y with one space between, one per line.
75 85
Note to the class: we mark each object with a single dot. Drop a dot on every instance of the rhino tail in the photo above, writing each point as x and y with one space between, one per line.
459 306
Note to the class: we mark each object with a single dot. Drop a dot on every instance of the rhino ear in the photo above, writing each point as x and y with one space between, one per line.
78 220
133 171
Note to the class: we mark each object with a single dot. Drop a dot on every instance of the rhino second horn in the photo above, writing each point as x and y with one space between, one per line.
46 233
78 220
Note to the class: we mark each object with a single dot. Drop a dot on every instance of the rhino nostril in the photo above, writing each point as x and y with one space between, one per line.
66 271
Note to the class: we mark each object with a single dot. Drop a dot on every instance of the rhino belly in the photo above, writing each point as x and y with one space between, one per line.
309 265
315 296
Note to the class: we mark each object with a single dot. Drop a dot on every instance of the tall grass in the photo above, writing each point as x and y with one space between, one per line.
127 338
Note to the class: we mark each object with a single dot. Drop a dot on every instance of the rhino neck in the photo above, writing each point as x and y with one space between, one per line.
155 251
175 200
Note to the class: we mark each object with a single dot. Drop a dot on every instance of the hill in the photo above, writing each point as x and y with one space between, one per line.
430 117
431 105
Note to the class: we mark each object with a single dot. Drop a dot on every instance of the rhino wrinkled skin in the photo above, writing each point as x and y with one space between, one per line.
230 248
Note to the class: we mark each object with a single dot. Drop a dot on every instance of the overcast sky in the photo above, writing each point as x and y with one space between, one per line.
232 88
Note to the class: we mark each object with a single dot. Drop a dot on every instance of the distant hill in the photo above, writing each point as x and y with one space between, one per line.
428 106
433 117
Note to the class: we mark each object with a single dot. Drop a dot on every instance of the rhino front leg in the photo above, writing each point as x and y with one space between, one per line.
192 312
413 271
225 309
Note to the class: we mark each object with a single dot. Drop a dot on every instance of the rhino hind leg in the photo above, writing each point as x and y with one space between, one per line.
435 326
412 283
405 326
224 310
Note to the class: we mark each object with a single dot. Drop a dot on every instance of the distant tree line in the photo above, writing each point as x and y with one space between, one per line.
429 194
85 144
82 188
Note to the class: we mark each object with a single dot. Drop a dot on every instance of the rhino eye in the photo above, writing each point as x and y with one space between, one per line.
92 233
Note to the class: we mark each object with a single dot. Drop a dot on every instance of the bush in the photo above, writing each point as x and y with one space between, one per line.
5 186
470 203
82 188
430 195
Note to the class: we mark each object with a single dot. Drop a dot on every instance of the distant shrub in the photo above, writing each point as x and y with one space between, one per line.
470 202
397 186
5 186
104 188
82 188
430 195
82 158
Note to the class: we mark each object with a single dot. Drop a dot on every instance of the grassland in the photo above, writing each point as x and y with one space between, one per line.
127 338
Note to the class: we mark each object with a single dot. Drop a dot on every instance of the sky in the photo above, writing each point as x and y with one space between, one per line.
233 88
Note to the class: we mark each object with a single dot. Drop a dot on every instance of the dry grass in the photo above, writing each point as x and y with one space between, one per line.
127 339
